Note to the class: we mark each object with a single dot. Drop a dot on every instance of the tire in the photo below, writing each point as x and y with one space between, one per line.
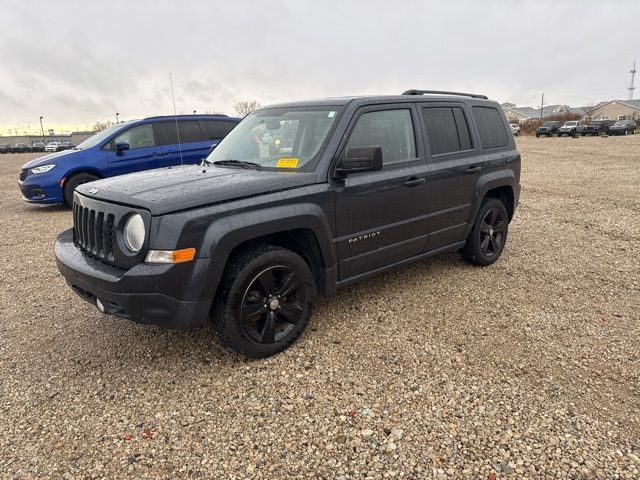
488 236
537 135
274 289
72 182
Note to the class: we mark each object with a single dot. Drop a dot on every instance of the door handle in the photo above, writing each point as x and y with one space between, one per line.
413 181
475 169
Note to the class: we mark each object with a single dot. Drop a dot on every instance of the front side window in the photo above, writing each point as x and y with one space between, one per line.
390 129
278 138
137 137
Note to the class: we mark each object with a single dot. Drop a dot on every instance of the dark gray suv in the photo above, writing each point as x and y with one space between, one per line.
299 199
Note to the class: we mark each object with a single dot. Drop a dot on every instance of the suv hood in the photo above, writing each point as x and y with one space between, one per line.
47 159
168 190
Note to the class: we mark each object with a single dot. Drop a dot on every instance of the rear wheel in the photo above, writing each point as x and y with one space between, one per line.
488 235
72 182
265 301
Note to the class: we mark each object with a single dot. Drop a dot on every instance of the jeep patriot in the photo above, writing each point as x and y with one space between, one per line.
299 199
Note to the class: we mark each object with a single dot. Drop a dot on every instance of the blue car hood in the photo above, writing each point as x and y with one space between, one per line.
51 158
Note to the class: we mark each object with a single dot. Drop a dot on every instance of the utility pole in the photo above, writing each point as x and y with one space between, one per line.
632 87
42 129
541 105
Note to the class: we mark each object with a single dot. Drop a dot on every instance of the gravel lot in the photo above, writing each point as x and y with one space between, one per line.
526 369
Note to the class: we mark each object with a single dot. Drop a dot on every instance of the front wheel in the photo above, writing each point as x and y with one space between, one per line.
73 182
265 301
488 235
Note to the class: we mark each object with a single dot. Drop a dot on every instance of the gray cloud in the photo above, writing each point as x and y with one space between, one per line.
82 61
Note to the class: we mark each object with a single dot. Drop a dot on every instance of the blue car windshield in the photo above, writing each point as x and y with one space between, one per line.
100 136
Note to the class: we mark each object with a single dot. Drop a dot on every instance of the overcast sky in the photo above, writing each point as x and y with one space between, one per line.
76 62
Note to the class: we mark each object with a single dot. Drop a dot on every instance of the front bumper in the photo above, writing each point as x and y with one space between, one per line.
141 293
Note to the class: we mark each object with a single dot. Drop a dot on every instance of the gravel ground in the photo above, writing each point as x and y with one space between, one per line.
529 368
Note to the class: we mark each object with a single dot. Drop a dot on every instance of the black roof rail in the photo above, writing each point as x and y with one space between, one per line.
438 92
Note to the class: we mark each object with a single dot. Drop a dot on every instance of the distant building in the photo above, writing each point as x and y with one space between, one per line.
75 138
522 114
616 110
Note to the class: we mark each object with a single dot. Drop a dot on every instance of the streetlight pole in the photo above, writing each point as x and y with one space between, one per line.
42 129
117 121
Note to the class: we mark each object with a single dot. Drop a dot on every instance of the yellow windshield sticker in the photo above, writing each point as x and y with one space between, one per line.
286 162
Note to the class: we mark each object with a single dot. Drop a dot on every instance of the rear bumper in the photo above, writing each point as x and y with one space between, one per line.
138 294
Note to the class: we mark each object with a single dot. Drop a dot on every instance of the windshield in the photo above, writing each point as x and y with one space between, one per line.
570 124
100 136
621 123
278 137
548 124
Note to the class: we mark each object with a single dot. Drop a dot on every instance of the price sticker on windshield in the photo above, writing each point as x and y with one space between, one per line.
287 162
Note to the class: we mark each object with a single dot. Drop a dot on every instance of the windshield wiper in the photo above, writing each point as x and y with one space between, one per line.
237 163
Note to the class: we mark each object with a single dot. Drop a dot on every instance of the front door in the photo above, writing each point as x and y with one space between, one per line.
143 152
381 217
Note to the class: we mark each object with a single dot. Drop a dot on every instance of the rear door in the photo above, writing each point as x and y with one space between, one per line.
454 167
143 153
183 141
381 216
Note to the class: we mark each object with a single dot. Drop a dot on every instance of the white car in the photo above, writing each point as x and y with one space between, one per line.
515 128
52 147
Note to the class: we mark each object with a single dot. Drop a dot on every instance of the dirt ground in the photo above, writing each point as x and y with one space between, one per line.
529 368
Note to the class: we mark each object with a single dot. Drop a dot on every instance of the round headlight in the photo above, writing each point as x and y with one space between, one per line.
134 233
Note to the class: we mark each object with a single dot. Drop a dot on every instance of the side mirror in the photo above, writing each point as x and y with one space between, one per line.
121 147
360 159
212 148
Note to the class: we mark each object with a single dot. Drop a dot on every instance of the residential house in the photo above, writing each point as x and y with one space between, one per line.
523 114
615 110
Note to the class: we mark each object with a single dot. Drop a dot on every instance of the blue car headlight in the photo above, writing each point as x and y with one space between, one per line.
42 169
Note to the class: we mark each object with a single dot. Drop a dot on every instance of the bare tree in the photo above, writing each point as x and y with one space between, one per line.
245 107
99 126
588 111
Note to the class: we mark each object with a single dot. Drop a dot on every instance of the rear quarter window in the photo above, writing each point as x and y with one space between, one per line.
491 127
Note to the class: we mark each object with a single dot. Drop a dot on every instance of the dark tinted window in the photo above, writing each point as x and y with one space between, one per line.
447 129
189 132
491 127
391 129
216 129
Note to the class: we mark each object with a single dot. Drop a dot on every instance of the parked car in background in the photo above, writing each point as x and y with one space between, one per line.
548 128
515 128
123 148
21 148
64 145
52 147
37 147
365 184
5 148
623 127
570 128
597 127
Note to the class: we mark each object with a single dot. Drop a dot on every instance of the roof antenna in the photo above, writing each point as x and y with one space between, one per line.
175 116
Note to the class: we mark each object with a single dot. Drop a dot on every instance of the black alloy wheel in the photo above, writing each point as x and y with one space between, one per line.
273 305
264 301
488 236
492 232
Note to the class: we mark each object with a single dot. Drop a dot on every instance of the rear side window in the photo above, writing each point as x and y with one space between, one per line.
447 129
491 127
189 132
216 129
391 129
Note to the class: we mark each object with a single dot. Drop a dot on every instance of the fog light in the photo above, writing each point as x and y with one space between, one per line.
100 306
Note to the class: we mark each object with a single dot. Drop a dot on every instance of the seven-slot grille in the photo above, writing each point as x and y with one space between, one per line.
23 174
93 231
